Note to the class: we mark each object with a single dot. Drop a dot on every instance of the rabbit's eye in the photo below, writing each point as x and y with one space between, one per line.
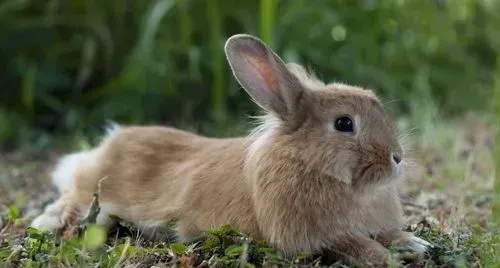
344 124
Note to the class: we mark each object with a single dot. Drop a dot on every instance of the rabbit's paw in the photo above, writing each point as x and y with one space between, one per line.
52 217
412 248
410 242
403 241
416 244
48 222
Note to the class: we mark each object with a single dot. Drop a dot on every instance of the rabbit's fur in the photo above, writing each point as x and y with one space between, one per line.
297 181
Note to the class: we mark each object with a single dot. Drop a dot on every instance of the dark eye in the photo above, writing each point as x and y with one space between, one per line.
344 124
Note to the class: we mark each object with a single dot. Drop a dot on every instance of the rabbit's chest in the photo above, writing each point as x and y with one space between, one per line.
373 214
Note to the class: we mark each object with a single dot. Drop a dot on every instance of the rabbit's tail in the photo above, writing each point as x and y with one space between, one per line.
64 175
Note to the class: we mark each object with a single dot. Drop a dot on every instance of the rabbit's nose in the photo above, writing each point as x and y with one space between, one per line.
396 158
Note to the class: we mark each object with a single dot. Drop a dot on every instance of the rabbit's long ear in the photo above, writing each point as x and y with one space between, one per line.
263 75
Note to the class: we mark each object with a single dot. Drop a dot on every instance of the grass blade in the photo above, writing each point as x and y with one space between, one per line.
218 96
267 8
28 89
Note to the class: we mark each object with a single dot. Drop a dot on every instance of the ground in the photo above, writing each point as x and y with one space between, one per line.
447 196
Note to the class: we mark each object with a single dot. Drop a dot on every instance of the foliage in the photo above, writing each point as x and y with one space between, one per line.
223 247
496 124
229 248
67 66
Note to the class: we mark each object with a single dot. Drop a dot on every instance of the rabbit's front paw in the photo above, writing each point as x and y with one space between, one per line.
412 248
416 244
410 242
48 222
403 241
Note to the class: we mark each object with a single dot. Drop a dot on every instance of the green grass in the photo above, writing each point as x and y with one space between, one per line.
66 68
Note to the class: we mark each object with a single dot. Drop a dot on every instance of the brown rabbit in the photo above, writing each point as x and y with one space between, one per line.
318 174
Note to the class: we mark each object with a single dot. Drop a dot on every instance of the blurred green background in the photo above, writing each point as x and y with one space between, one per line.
68 66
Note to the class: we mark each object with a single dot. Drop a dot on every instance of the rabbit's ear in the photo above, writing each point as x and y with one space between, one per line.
263 75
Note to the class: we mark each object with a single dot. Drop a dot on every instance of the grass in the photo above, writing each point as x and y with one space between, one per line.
64 68
448 196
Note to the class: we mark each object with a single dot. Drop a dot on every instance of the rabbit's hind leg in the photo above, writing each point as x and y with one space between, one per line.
65 211
56 215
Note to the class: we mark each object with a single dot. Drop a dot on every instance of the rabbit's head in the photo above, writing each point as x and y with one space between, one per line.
341 130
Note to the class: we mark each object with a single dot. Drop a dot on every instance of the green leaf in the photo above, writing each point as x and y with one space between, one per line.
14 213
34 233
94 236
131 250
28 89
234 250
178 248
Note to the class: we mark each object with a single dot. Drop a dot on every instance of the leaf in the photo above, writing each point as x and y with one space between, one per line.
14 213
35 233
28 89
131 250
42 257
234 250
478 229
178 248
94 236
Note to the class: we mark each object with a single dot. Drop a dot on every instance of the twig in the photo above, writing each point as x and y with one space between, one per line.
94 208
4 228
93 211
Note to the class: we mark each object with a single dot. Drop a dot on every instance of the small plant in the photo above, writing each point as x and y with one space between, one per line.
230 248
14 215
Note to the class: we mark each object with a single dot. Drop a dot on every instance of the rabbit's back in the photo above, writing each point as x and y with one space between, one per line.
153 174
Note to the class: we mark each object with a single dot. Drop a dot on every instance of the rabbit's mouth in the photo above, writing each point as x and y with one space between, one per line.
374 173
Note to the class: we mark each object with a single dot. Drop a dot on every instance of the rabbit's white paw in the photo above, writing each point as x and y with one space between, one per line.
51 219
48 222
416 244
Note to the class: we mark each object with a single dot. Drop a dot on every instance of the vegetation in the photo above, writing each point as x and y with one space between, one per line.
68 66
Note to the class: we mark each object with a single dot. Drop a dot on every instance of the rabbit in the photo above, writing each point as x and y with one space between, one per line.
318 174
